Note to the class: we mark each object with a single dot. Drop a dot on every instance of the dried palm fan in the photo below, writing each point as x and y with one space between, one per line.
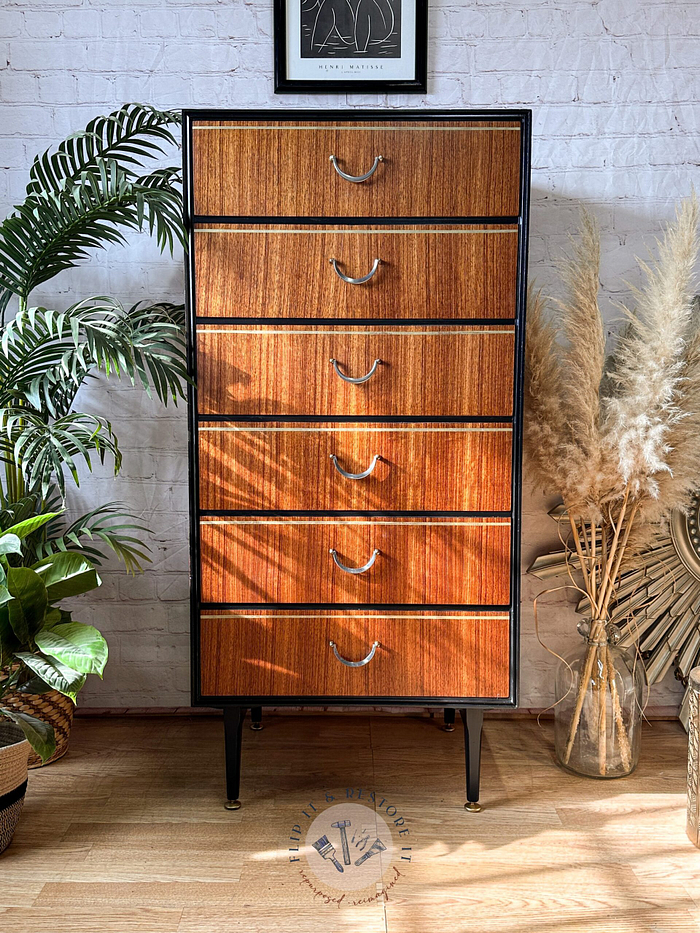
657 601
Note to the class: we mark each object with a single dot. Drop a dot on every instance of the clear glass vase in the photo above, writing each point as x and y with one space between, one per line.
597 716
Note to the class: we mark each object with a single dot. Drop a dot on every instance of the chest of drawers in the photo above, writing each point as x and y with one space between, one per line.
356 289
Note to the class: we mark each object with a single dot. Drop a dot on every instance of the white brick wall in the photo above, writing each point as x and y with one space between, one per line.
614 89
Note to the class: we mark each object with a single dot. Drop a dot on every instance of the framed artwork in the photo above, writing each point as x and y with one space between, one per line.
351 45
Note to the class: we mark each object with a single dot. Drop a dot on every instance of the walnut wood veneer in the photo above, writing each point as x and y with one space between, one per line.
356 337
423 467
284 270
280 168
459 561
278 654
434 371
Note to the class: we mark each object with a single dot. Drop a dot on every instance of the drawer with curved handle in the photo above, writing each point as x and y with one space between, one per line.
336 370
347 467
322 169
417 654
416 560
365 271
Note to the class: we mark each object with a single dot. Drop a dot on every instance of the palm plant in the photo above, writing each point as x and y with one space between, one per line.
87 194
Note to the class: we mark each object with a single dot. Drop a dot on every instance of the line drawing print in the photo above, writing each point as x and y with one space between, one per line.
350 28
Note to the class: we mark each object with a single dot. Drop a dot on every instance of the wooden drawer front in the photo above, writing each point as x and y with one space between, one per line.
269 272
273 654
438 372
282 169
456 561
461 468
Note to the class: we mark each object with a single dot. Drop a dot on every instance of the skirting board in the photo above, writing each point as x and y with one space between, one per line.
655 713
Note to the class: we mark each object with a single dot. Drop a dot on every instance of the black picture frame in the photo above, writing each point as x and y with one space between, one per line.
416 85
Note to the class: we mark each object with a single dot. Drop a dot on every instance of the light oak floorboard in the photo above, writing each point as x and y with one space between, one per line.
128 832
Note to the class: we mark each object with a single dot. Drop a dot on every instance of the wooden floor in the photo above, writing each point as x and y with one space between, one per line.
127 834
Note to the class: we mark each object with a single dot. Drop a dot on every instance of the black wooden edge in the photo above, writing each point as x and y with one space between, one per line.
355 115
518 399
192 441
216 701
524 116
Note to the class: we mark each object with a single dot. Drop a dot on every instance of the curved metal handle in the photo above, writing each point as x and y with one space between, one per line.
362 475
361 663
360 281
338 563
358 379
356 178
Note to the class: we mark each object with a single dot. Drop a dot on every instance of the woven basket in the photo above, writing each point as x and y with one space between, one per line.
52 707
14 750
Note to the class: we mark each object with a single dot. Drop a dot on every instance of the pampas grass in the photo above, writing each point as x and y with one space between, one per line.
618 437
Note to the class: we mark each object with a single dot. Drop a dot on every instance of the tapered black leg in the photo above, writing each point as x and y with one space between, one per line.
233 729
256 718
449 720
473 720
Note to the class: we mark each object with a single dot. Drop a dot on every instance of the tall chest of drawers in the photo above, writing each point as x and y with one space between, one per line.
356 286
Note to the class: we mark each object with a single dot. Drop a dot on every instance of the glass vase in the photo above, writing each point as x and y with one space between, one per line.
597 716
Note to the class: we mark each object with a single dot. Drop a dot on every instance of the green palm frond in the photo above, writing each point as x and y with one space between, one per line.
130 134
107 528
46 354
53 231
44 449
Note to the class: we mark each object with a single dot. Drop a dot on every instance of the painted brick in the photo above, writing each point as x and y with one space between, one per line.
18 86
42 25
198 24
45 55
57 88
11 24
120 25
81 24
158 24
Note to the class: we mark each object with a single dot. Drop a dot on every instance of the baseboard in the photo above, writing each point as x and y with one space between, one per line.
652 713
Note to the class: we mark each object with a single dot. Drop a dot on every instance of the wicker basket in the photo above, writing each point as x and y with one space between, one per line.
52 707
14 750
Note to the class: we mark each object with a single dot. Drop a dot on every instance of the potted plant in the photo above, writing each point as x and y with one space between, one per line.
618 437
84 195
41 648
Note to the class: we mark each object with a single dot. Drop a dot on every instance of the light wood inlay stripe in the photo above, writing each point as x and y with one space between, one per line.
359 429
233 614
384 332
377 521
367 126
375 231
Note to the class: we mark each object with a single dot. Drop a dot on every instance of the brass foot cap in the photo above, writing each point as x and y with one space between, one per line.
256 726
472 806
232 805
449 728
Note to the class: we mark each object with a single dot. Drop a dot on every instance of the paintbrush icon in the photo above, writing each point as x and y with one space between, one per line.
326 849
376 847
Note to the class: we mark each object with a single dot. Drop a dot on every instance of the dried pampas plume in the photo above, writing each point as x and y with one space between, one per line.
598 430
618 439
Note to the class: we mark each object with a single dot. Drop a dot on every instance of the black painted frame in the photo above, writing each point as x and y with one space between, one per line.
522 219
285 85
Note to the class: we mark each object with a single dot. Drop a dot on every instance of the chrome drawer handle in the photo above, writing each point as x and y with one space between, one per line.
362 475
360 281
356 178
358 379
361 663
338 563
